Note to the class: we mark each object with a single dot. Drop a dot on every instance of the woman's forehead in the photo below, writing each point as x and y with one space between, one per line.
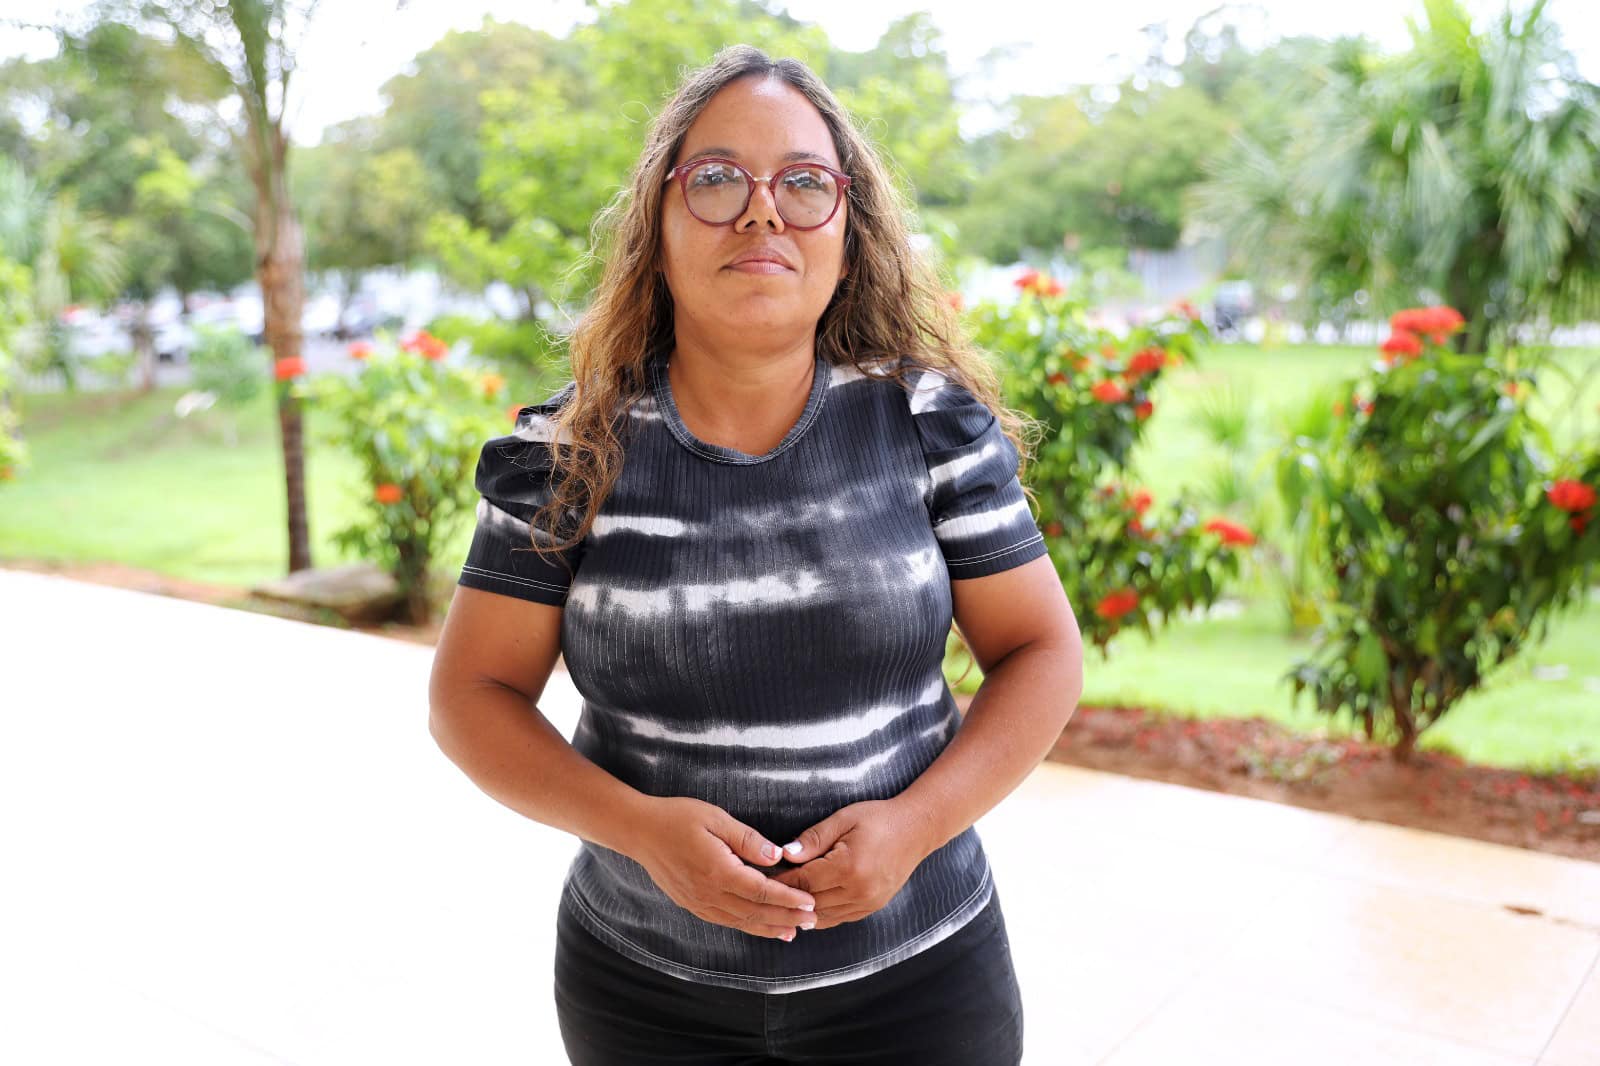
749 120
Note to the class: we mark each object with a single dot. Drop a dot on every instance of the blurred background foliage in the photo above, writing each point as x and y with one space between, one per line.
1289 186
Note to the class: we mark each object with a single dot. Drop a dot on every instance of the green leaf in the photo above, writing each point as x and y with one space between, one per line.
1371 663
1428 636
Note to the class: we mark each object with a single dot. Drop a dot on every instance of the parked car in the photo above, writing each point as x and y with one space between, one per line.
1234 302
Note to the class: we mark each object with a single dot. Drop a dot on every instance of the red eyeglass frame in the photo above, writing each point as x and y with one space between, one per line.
681 172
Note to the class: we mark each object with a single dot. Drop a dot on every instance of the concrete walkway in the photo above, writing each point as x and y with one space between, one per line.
228 839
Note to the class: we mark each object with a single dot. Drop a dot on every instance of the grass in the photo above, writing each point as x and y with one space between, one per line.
131 482
124 479
1539 713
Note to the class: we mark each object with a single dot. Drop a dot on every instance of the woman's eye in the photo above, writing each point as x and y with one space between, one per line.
710 177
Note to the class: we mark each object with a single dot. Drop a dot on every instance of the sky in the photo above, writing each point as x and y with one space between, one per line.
354 46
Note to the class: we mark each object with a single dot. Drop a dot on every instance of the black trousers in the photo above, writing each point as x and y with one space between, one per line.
955 1004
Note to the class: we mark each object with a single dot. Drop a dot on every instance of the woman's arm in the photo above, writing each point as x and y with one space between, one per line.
1026 639
493 659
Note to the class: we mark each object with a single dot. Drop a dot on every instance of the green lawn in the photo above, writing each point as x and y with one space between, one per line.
128 481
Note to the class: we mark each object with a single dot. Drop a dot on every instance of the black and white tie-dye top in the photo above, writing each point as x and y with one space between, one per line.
765 633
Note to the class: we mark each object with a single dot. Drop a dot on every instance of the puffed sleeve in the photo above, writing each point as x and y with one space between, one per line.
980 516
513 482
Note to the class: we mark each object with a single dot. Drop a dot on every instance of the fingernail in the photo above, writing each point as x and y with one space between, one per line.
769 851
788 936
794 848
809 925
808 906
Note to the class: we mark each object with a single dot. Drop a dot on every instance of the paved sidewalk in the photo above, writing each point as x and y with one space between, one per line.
228 839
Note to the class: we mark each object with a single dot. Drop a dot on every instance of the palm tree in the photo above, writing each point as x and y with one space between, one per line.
248 47
1466 170
70 257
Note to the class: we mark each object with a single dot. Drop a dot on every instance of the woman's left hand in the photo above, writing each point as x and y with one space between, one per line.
855 860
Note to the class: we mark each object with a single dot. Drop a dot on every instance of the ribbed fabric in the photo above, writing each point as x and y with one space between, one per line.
766 633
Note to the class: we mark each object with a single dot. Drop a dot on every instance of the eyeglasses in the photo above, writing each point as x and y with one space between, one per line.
717 191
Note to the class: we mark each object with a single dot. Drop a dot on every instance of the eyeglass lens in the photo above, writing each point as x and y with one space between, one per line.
805 197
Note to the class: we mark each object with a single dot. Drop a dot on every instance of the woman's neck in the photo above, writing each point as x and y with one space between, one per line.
746 401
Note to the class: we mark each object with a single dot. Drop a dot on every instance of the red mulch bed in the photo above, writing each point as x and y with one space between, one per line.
1556 813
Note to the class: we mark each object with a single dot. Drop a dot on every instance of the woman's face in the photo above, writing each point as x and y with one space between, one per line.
757 123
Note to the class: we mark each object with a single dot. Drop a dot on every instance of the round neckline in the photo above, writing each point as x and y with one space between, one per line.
661 386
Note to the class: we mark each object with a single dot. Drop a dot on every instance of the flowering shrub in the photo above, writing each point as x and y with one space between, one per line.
523 347
1118 554
1451 536
15 285
401 415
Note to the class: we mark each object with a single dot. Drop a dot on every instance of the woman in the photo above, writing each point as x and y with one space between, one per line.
755 608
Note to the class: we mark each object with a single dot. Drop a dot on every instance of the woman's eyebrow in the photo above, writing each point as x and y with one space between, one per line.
790 157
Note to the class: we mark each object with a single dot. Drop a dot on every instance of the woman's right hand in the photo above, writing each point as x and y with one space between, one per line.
694 852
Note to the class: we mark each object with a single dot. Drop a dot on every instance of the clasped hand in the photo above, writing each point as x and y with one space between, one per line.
854 861
849 865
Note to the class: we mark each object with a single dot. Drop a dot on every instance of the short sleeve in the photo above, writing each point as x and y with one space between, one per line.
513 483
980 516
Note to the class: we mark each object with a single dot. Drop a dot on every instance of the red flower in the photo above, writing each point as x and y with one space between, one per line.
1446 321
284 369
1039 284
1058 378
1144 410
1145 361
360 350
1109 391
1436 322
1401 343
1114 605
1572 496
388 492
1410 320
1578 522
1053 529
1139 502
1136 528
426 345
1187 310
1229 532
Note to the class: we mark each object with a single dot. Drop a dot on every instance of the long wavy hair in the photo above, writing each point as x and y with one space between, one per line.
889 317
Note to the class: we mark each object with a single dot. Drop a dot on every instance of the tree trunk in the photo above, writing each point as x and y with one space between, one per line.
1469 299
531 294
280 271
10 411
413 577
144 346
1400 690
347 293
